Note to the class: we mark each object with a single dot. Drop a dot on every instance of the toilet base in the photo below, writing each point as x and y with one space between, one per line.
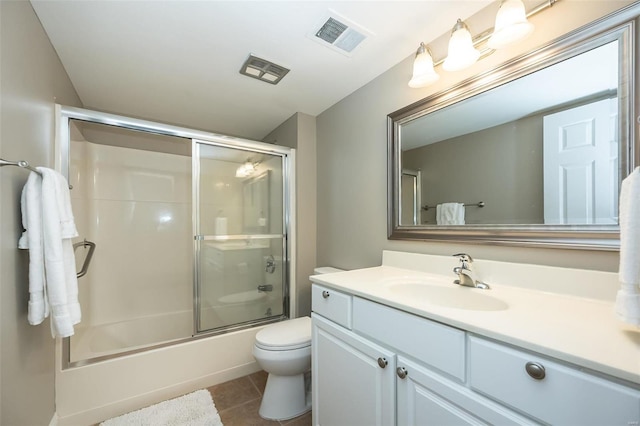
284 397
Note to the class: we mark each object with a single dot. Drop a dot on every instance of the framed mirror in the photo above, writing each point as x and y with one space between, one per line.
530 153
255 199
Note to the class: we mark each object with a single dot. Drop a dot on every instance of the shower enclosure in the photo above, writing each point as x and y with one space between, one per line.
192 233
240 239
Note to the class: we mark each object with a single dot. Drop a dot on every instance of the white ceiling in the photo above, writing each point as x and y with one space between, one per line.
177 61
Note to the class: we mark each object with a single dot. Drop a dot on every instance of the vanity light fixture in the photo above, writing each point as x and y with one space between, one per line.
246 169
462 53
511 24
423 72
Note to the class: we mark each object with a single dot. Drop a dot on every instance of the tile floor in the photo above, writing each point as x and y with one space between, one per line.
238 402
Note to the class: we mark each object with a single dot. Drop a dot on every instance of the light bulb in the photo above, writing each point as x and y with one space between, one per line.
462 53
511 24
423 72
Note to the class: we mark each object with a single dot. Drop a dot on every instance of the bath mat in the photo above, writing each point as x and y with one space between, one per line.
194 409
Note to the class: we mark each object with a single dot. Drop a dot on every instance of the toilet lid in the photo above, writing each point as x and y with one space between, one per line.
290 334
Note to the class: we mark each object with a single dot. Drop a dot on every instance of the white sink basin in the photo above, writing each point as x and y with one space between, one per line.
457 297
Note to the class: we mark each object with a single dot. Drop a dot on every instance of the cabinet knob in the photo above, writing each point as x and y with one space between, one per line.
382 362
325 294
535 370
402 372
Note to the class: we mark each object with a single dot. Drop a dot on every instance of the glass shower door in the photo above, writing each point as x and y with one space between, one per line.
240 238
131 198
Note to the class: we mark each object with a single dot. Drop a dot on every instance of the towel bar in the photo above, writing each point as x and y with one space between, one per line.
480 204
23 164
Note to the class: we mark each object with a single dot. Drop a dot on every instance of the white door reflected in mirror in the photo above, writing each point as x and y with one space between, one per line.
581 165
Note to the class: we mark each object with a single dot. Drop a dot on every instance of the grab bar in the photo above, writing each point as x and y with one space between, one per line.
87 259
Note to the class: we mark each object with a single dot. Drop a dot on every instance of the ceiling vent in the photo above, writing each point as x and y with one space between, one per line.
263 70
339 34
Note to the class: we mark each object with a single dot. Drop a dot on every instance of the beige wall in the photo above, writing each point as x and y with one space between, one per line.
299 132
31 80
352 155
509 159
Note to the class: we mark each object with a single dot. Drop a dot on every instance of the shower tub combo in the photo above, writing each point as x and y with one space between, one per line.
193 255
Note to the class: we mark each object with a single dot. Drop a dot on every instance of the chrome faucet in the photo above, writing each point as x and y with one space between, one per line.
465 274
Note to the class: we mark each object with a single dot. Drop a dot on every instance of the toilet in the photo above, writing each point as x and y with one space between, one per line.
284 351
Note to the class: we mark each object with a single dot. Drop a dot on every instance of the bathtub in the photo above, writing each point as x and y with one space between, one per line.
130 381
95 341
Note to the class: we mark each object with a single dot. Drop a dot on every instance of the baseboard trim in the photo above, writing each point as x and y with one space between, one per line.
54 420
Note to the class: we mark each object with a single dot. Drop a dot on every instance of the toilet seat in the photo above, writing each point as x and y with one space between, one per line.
285 335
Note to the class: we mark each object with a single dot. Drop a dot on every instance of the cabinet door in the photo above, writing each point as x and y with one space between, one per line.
353 379
426 398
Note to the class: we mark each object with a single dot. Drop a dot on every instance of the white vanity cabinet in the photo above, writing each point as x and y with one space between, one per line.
431 369
359 378
378 365
352 378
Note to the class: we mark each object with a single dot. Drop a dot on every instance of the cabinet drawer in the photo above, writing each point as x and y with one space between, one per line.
331 304
432 343
563 396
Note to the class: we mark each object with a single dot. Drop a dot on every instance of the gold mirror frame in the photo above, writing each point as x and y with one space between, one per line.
620 26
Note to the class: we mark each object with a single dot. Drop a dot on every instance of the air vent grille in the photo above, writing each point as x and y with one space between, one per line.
338 33
331 30
263 70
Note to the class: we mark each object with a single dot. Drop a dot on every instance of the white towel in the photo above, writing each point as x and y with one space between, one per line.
450 214
221 226
31 204
49 229
628 298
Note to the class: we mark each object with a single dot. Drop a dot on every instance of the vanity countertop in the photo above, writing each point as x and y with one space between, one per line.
579 330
